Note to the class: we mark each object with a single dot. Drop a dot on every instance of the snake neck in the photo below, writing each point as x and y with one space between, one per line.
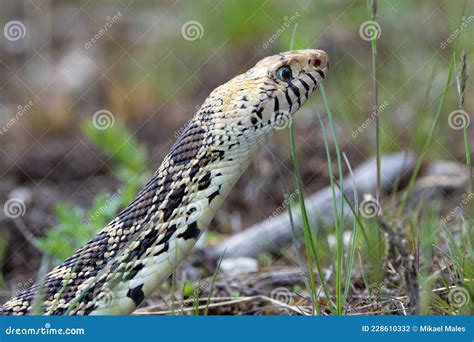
184 196
202 183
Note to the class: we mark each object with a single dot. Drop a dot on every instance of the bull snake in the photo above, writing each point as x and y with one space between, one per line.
115 271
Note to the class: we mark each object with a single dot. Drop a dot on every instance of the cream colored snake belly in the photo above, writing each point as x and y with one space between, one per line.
142 246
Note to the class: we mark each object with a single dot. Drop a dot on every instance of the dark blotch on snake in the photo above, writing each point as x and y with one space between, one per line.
88 311
174 201
134 272
165 240
213 195
194 170
205 182
136 294
192 232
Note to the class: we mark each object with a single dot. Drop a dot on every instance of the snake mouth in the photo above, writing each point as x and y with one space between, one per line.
319 59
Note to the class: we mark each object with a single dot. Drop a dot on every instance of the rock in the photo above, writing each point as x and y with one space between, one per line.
239 265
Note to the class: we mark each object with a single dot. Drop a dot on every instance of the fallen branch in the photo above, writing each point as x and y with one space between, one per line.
275 233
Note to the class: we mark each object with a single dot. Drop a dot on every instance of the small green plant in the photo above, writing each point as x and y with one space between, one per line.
77 225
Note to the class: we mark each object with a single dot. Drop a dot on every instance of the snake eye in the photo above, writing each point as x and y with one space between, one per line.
284 73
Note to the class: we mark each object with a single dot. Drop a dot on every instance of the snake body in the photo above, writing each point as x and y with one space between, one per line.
115 271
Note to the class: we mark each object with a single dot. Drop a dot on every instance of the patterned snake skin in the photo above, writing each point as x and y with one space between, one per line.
113 273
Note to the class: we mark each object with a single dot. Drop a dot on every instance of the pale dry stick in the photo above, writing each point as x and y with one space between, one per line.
390 300
155 310
444 290
372 313
275 233
223 301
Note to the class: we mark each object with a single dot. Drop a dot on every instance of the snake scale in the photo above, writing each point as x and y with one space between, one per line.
115 271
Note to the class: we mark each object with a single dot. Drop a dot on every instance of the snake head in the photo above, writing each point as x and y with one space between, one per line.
287 80
252 106
262 100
